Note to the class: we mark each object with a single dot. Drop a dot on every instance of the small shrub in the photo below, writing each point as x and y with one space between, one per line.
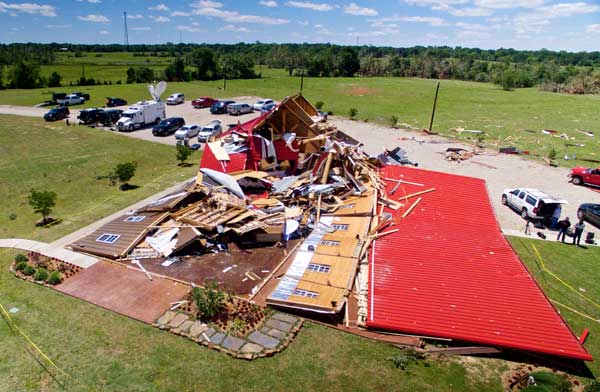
21 257
394 121
21 265
319 105
12 216
352 113
552 154
54 278
183 153
29 270
237 326
41 274
209 300
403 361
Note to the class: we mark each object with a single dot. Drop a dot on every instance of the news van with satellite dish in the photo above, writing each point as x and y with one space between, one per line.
144 112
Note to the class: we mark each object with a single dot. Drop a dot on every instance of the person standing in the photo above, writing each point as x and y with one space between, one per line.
578 231
555 217
563 226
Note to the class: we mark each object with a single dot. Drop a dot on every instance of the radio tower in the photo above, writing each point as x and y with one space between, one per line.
126 34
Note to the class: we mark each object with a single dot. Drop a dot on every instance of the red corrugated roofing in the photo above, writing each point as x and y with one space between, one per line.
237 161
450 273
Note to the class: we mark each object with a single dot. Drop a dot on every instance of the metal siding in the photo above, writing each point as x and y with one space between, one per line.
450 273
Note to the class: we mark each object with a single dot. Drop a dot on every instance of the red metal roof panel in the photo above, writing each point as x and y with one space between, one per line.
450 273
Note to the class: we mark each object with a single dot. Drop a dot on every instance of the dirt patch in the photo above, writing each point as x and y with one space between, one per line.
361 91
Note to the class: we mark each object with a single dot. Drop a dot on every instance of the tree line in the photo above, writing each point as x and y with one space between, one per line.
553 70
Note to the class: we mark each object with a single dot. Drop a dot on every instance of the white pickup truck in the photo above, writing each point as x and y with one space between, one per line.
141 114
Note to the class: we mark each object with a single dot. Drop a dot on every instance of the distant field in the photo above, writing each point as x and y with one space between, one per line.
503 115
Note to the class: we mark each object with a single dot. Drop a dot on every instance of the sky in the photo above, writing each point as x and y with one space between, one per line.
489 24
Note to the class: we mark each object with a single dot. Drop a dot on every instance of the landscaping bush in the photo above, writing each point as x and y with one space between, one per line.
54 278
352 113
41 274
209 300
21 257
183 153
394 121
29 270
319 105
21 265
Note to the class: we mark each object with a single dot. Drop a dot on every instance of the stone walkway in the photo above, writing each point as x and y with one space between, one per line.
57 252
277 332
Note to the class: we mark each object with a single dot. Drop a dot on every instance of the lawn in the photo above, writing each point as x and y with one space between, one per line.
503 115
105 351
68 160
577 268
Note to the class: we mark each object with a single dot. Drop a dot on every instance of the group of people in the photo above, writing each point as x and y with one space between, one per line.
563 227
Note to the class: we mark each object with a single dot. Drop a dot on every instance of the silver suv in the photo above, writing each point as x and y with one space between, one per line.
531 203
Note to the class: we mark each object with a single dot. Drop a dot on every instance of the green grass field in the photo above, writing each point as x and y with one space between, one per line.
105 351
67 160
577 268
503 115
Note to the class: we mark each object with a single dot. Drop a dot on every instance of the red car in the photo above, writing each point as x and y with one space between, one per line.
584 175
203 102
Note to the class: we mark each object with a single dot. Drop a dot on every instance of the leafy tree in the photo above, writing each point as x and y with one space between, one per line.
209 300
506 79
348 63
140 75
183 153
54 80
176 72
24 75
205 62
1 76
42 202
124 172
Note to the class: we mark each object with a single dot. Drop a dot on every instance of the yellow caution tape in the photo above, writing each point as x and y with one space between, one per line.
543 266
13 325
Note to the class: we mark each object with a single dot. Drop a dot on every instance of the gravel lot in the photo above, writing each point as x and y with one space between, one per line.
500 171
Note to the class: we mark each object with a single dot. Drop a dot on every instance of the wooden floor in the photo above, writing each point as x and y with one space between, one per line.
124 290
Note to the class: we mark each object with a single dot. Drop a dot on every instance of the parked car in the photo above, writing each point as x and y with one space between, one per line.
260 104
589 212
210 131
220 107
112 102
203 102
57 113
168 126
268 108
71 99
86 97
188 131
531 203
109 117
89 116
583 175
175 99
235 109
58 96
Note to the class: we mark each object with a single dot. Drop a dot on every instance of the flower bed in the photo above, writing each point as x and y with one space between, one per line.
41 269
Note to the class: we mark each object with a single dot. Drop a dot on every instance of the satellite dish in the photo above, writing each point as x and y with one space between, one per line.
151 90
160 89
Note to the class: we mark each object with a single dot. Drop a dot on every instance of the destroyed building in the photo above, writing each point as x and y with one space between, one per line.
287 210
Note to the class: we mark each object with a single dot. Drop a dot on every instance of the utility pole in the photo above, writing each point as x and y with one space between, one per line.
224 83
83 70
437 88
302 80
125 32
